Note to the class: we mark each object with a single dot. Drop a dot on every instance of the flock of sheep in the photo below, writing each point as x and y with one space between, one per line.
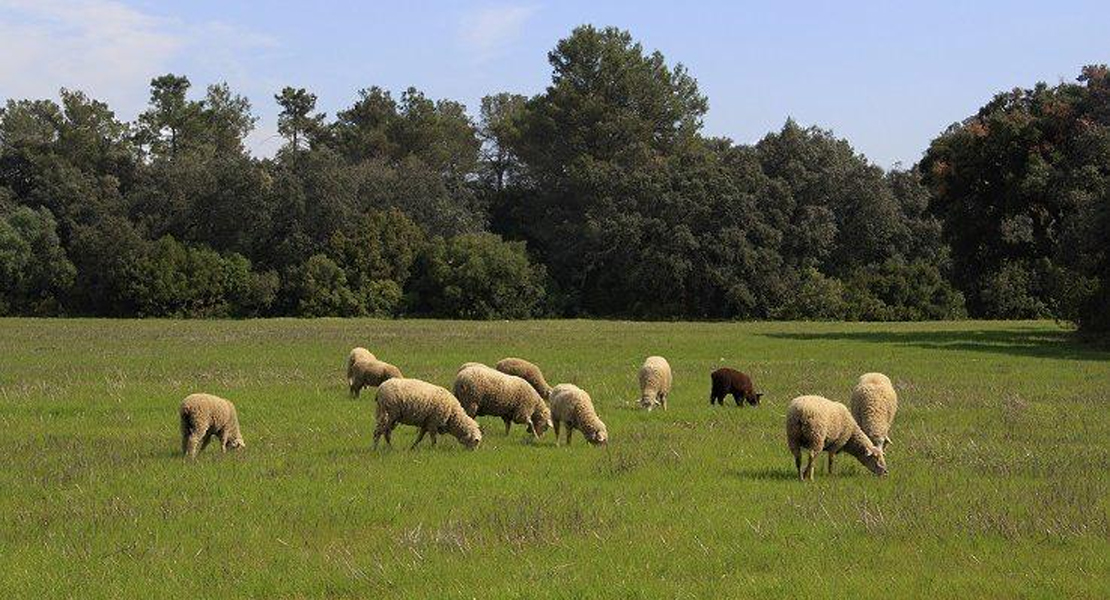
515 390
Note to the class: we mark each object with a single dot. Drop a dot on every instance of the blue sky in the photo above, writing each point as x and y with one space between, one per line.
884 75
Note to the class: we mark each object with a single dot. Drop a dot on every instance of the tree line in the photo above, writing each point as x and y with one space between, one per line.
600 196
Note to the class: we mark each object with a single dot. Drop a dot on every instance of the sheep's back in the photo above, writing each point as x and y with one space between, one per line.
656 374
413 402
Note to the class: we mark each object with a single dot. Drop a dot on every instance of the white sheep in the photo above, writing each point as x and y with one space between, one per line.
470 364
528 372
485 391
431 408
358 353
655 382
874 403
369 372
818 424
204 416
573 407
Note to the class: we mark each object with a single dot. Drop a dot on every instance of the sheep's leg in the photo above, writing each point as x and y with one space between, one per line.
808 474
207 438
191 444
831 455
797 462
663 400
508 424
556 425
736 398
570 430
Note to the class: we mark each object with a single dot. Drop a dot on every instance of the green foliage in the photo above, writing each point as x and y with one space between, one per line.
815 297
625 207
897 291
324 291
297 121
172 279
1017 186
478 276
35 274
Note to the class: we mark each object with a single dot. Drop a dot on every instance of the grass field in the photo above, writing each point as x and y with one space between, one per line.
999 478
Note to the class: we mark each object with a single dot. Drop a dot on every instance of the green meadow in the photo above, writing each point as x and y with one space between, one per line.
998 486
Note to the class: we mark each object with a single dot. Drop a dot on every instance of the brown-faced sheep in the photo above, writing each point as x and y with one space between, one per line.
818 424
725 381
431 408
485 391
528 372
370 372
204 416
874 403
655 382
573 407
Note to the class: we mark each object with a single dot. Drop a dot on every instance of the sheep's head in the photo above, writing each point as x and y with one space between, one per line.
599 437
236 442
540 420
874 460
471 438
753 399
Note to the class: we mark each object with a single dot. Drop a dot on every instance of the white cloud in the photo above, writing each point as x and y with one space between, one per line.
104 47
489 30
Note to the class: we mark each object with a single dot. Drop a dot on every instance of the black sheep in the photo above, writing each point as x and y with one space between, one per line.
730 381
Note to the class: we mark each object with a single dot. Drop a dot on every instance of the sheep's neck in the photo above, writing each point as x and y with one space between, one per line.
858 445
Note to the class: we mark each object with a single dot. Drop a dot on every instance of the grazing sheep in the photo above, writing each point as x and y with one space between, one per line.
528 372
572 406
370 372
727 381
818 424
655 382
431 408
204 416
359 353
874 403
485 391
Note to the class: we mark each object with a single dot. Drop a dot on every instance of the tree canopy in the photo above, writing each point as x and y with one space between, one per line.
599 196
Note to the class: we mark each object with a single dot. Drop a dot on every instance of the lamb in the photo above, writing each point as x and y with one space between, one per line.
204 416
431 408
572 406
368 371
818 424
528 372
874 403
655 382
485 391
727 381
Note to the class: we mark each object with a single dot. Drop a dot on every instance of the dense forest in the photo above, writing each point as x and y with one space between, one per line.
600 196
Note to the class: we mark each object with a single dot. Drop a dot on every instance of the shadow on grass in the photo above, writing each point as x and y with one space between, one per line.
1029 342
